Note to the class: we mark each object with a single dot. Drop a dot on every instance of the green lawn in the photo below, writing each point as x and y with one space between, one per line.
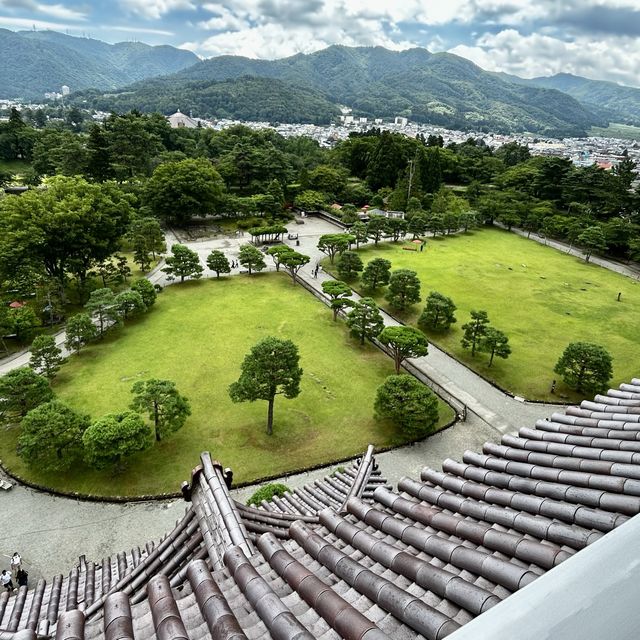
617 130
197 335
541 298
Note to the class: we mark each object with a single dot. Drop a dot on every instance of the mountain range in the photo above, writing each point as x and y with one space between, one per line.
441 88
35 62
615 102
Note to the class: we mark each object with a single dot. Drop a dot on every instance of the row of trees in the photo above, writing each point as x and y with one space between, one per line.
54 436
185 263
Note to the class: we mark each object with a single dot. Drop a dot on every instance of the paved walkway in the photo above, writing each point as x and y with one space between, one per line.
38 523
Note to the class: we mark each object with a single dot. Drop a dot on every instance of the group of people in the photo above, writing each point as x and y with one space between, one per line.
17 577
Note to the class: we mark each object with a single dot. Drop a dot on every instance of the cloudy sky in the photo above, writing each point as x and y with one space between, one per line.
595 38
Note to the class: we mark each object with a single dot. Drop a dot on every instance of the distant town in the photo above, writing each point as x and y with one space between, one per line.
604 151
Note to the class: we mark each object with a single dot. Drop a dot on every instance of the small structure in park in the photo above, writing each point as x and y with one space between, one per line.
349 557
272 234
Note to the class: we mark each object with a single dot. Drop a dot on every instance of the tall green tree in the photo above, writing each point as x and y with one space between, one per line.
178 191
360 233
407 403
475 330
67 227
251 259
293 261
271 368
404 289
183 263
114 437
129 304
167 409
22 390
79 330
585 366
46 356
147 240
495 343
377 228
218 263
133 145
277 253
376 274
98 156
404 342
334 244
339 293
438 314
24 321
365 320
51 436
592 240
102 306
349 265
146 290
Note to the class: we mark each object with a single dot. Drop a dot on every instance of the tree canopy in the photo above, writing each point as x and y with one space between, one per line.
407 403
179 191
585 366
51 436
365 320
404 342
167 409
114 437
271 368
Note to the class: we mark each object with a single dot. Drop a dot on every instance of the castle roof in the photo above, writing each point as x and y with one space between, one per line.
350 557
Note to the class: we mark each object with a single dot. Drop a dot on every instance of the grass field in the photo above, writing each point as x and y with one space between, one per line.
541 298
616 130
197 335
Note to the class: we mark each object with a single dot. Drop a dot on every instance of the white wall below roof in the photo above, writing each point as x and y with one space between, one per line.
593 595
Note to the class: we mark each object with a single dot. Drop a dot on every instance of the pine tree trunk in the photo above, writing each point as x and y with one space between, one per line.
155 421
270 417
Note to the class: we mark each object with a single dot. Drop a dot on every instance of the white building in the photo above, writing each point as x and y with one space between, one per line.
65 90
179 120
401 121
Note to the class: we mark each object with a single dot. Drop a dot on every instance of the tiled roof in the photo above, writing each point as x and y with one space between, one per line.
348 557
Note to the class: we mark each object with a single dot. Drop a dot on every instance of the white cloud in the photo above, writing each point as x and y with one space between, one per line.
29 23
155 32
613 58
270 41
155 9
61 12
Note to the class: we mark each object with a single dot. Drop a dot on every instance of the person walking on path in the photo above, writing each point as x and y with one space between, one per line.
16 565
5 581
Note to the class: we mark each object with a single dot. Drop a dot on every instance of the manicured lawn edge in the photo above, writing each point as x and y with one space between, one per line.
159 497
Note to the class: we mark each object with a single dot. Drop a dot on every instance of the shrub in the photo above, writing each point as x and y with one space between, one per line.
267 492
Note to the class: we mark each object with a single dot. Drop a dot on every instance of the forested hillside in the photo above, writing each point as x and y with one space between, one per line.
35 62
245 99
438 88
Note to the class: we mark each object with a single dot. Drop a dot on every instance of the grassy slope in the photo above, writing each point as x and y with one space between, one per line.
197 335
553 300
615 130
